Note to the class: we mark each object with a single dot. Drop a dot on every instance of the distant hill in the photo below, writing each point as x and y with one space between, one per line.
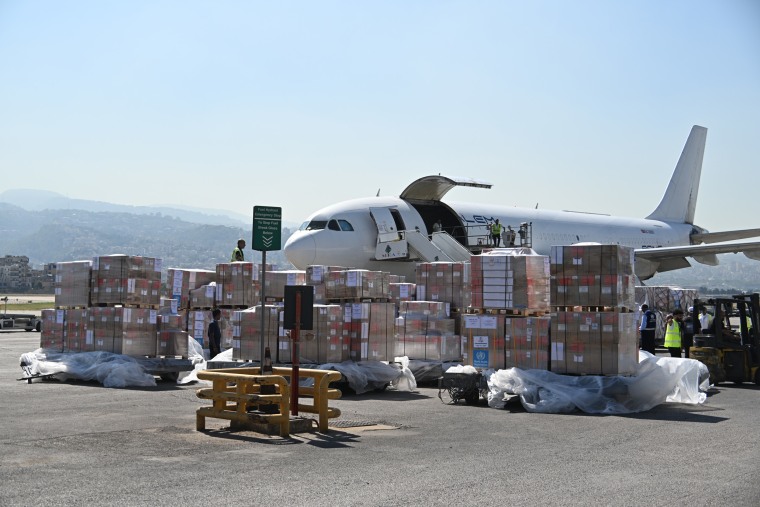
40 200
55 235
735 271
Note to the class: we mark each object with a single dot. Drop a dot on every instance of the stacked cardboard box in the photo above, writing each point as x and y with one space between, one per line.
483 340
203 297
75 330
197 325
424 331
586 279
277 280
498 341
666 298
234 284
357 284
181 281
172 335
52 334
324 343
402 292
594 343
370 330
168 305
317 276
503 280
129 331
526 342
592 275
72 284
125 280
444 281
246 333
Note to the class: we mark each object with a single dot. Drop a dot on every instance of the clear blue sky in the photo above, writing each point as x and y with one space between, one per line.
581 105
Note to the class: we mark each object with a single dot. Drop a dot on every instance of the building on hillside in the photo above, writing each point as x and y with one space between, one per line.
17 276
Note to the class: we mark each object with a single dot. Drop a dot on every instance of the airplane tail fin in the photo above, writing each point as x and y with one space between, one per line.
680 199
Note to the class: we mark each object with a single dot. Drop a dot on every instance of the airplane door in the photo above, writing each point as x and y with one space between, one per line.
390 244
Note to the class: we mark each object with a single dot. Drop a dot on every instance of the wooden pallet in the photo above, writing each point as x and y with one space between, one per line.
125 305
594 309
516 312
340 301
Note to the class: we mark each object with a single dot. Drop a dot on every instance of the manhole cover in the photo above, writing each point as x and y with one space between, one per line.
345 423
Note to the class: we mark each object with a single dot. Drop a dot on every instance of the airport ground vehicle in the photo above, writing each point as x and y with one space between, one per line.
24 321
730 349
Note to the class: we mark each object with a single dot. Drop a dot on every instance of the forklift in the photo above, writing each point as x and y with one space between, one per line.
731 352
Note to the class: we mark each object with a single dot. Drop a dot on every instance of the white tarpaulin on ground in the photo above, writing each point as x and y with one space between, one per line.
657 380
363 376
111 370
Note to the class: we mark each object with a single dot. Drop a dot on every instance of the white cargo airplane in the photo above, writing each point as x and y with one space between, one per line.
394 233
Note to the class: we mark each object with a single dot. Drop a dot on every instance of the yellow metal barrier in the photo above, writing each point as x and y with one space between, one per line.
321 392
234 390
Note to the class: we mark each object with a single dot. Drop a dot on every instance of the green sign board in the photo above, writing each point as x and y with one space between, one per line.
267 228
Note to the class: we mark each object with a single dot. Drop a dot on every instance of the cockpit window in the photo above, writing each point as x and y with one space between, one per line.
315 225
333 225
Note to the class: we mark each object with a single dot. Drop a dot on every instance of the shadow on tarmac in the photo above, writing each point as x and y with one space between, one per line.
332 440
385 395
161 385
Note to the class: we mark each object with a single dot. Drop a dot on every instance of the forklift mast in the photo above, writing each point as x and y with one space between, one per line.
747 305
731 353
749 310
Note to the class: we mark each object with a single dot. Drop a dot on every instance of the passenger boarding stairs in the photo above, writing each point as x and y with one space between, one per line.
441 247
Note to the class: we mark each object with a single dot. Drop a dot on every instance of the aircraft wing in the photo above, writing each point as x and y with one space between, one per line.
653 260
751 249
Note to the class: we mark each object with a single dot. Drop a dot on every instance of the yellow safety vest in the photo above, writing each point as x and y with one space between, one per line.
495 228
673 335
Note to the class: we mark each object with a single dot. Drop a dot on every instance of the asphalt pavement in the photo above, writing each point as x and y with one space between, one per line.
78 443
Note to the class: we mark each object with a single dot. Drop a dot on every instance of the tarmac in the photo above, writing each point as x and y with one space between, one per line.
79 443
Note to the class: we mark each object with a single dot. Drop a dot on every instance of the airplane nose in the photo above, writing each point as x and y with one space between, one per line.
301 250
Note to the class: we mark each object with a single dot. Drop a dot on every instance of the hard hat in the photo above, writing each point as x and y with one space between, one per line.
691 309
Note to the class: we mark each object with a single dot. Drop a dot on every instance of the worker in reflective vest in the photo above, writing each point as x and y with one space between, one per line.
496 233
673 332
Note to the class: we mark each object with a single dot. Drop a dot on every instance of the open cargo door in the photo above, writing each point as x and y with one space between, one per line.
390 244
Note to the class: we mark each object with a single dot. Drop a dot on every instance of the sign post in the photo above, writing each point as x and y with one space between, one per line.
298 314
267 235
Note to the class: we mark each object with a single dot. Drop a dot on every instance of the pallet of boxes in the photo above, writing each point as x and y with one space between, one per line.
593 326
426 329
233 288
352 317
507 323
109 304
